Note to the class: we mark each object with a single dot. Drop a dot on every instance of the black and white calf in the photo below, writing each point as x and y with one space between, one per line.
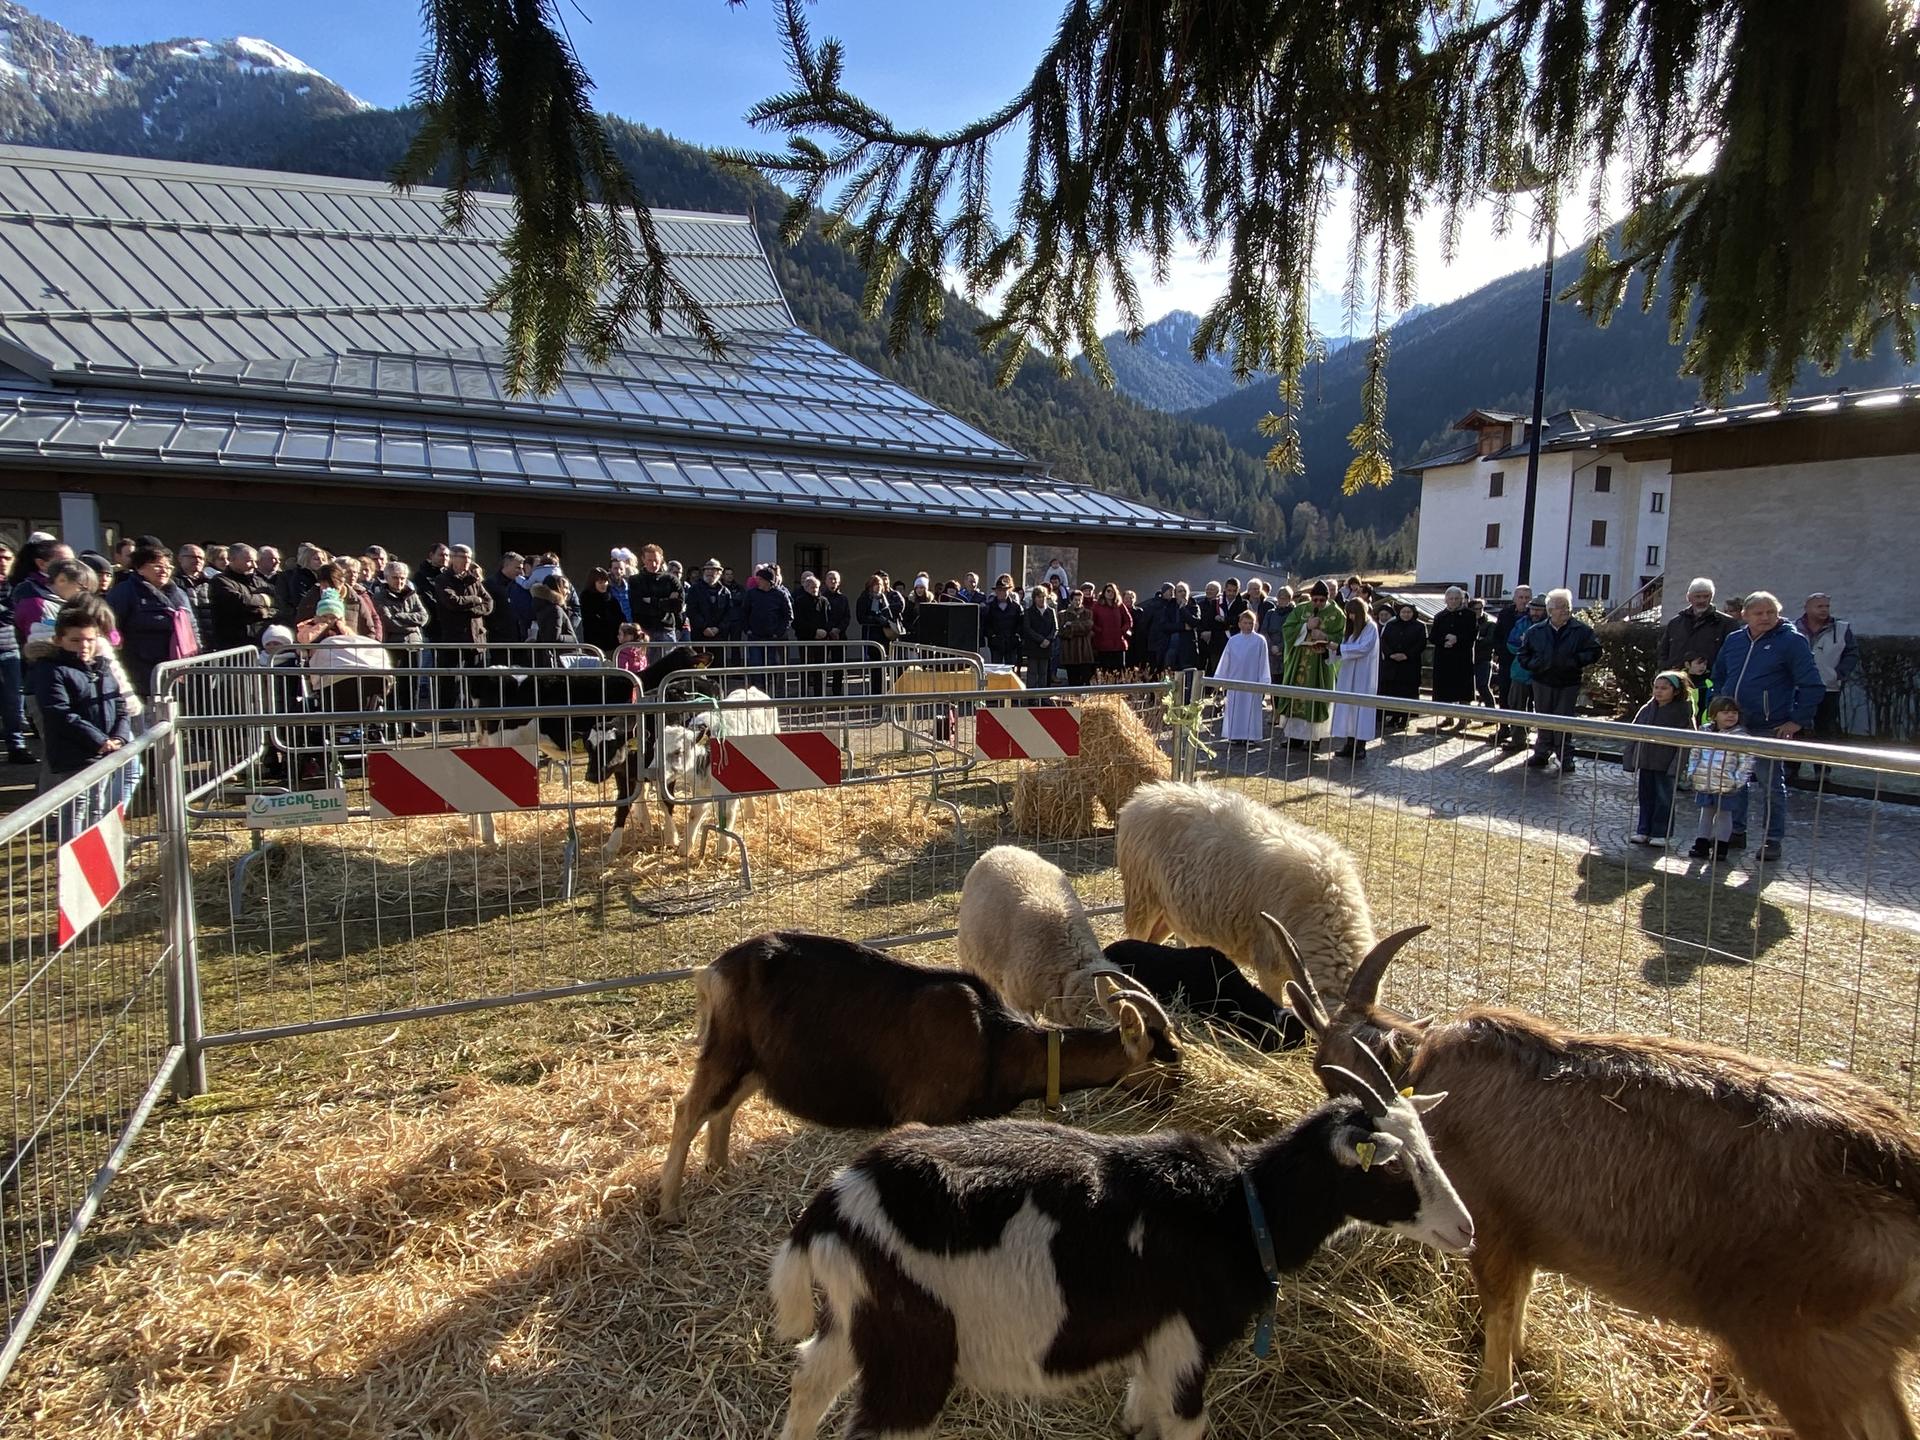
1208 983
1021 1258
675 763
555 734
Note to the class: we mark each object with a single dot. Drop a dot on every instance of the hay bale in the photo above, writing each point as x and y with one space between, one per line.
1118 753
1053 801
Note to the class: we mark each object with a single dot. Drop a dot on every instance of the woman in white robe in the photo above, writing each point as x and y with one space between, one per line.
1359 675
1245 658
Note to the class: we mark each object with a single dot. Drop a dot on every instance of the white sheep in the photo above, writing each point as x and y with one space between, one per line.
1202 862
1024 932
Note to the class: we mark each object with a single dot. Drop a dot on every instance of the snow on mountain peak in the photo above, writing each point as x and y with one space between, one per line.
264 53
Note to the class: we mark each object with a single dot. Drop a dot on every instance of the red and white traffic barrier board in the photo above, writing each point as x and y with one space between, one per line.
93 868
1033 732
466 780
775 764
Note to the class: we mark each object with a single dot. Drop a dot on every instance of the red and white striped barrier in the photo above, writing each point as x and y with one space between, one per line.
93 869
1036 732
466 780
775 764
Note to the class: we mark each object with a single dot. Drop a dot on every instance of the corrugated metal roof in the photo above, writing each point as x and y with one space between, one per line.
767 388
1863 401
280 442
120 262
1569 425
172 315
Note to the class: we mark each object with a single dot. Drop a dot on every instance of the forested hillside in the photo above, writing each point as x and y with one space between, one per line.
1480 351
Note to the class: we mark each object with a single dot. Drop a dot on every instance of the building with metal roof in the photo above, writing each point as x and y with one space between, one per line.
224 354
1815 493
1599 520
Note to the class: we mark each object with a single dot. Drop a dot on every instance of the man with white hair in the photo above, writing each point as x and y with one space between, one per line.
1769 670
1697 632
240 603
1555 653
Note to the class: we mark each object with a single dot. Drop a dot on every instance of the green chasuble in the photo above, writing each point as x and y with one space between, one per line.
1311 719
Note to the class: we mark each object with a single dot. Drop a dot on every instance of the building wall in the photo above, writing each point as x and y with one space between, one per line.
1456 508
1844 526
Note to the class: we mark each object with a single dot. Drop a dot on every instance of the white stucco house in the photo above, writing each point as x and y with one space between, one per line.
1600 514
1819 493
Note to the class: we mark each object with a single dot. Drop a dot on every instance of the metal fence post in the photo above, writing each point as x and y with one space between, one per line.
1186 760
183 974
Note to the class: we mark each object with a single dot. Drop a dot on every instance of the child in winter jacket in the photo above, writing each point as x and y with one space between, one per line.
1719 775
632 653
83 715
1657 765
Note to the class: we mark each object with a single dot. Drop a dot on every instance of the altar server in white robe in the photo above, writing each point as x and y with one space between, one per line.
1359 675
1245 658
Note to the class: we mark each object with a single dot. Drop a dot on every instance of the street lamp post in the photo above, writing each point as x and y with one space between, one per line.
1525 574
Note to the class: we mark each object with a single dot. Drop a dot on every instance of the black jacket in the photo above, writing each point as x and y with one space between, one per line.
600 620
873 613
1402 637
711 607
1688 637
839 612
1038 627
1000 625
463 608
551 622
81 708
810 616
657 600
1556 657
512 611
242 606
1461 625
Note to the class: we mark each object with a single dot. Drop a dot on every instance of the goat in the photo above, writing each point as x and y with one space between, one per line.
682 767
1213 987
1767 1203
498 687
629 745
1023 931
1202 862
842 1035
1019 1258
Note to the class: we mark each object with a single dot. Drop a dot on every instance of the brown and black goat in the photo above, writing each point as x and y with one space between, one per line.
1774 1206
843 1035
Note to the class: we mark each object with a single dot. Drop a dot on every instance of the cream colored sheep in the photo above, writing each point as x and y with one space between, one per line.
1202 862
1024 932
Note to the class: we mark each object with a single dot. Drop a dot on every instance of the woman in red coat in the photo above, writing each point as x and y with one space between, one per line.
1112 629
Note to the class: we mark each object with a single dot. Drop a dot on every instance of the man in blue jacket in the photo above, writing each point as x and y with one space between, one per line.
1769 669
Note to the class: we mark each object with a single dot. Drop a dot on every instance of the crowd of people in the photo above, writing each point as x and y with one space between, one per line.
81 637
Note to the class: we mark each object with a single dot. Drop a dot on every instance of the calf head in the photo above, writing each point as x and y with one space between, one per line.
607 745
1387 1174
1146 1034
1361 1026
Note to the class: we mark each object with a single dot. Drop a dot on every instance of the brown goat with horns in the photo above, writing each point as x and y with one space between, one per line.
1775 1206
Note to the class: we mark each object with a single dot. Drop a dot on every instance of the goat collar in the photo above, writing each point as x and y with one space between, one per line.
1053 1069
1263 1239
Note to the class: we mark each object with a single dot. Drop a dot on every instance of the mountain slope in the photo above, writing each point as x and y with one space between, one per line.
1159 370
1480 350
210 98
1083 432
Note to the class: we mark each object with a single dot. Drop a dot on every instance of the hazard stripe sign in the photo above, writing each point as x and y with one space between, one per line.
93 869
466 780
775 764
1036 732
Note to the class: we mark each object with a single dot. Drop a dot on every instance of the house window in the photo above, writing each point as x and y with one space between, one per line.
1598 535
809 557
1602 479
1489 587
1657 502
1493 537
1653 554
1496 484
1596 587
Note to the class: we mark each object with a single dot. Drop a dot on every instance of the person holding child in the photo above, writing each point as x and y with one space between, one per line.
1720 777
1657 765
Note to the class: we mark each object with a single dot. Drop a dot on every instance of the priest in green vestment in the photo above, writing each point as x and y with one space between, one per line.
1313 635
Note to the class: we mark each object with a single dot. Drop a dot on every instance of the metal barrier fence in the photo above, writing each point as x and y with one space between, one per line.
93 1031
1539 898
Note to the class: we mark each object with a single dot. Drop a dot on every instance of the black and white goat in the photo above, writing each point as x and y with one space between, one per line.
1208 983
844 1035
1020 1258
678 767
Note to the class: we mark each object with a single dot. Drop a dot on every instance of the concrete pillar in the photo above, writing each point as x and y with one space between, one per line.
766 548
79 520
460 530
999 562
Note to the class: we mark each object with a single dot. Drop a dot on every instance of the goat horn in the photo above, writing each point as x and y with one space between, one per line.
1296 967
1368 1066
1307 1009
1364 987
1342 1080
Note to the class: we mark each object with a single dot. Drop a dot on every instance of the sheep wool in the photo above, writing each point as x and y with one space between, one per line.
1024 932
1203 862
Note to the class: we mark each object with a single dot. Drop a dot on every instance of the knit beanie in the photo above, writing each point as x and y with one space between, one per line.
331 606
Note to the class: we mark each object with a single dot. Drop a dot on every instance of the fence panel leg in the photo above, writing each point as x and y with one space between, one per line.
184 1024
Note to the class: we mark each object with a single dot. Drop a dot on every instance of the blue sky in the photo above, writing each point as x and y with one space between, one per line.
693 67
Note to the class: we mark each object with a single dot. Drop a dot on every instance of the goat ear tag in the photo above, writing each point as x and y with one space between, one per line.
1365 1150
1406 1092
